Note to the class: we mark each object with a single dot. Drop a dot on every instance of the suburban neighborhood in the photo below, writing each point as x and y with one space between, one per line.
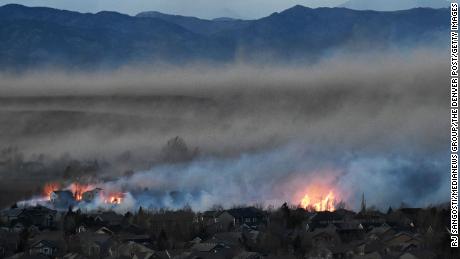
243 232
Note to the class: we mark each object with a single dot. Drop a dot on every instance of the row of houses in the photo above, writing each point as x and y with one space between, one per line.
20 218
235 233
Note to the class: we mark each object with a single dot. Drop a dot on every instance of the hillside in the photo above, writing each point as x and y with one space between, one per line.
43 36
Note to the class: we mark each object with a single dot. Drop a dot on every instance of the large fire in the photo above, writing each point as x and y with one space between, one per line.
78 190
115 198
49 188
318 198
318 203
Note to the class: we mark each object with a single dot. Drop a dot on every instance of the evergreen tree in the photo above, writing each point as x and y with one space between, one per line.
363 205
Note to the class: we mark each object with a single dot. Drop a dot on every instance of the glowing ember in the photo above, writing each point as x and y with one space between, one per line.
319 203
49 188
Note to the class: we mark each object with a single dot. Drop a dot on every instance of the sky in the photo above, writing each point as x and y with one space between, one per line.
200 8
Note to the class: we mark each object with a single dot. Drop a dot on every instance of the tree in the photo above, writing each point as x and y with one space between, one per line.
23 239
162 241
363 204
70 222
176 151
390 210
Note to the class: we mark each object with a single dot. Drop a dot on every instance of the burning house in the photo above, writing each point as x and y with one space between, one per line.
76 193
92 195
62 199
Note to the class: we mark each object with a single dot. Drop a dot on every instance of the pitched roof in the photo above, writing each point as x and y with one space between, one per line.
111 218
47 243
249 212
210 213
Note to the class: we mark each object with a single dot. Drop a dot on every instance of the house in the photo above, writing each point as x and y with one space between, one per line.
39 216
370 217
382 232
109 219
325 237
91 195
402 239
208 217
62 199
48 238
96 245
239 216
324 218
347 215
350 231
44 247
10 215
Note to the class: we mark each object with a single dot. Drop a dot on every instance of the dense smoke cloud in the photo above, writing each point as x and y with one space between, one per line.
376 124
274 177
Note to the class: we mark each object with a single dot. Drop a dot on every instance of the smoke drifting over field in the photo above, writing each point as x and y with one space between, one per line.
264 133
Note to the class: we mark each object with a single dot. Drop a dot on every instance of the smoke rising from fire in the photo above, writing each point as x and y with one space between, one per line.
375 124
287 174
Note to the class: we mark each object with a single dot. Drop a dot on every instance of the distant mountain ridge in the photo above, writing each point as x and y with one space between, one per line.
196 24
32 37
392 5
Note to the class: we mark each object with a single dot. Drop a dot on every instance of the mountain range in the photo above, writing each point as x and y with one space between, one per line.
38 36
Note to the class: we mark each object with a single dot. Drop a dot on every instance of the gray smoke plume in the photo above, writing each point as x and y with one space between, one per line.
372 123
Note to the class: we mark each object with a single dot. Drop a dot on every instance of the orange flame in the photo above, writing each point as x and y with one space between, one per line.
318 203
49 188
78 190
115 198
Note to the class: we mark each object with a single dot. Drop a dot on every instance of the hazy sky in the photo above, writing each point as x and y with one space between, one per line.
200 8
